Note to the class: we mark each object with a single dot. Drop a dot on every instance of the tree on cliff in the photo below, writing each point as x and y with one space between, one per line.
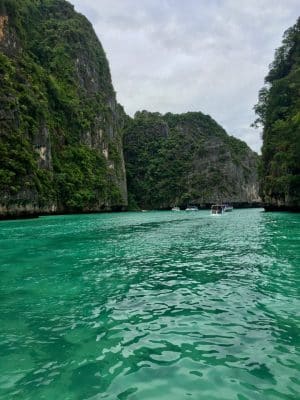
60 124
176 159
278 111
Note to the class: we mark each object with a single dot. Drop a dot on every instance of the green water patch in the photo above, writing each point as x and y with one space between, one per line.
150 305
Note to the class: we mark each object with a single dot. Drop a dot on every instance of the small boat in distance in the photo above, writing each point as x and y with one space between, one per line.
227 208
175 208
220 208
217 209
191 208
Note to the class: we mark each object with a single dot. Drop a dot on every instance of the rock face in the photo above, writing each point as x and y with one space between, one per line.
186 159
278 112
60 124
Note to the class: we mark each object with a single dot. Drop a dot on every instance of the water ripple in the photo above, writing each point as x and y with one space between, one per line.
151 305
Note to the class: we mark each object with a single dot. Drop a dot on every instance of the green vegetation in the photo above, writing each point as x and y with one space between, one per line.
188 158
56 97
61 128
278 112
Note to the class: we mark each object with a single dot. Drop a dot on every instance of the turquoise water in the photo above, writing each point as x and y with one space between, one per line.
155 305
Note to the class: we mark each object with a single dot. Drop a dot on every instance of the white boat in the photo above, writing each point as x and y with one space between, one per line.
192 208
175 209
220 208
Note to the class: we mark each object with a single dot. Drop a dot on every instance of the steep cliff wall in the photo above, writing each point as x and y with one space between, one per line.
60 124
278 112
187 158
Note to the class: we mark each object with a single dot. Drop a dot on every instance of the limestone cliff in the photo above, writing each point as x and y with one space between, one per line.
60 124
278 112
188 158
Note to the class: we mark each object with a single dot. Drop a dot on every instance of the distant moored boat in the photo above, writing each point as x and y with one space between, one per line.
220 208
217 209
192 208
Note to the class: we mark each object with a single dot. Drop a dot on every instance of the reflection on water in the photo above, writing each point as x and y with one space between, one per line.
151 305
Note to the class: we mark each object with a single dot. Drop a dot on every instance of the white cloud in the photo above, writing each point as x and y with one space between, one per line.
178 56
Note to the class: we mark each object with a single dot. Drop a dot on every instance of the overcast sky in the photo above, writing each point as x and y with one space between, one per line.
193 55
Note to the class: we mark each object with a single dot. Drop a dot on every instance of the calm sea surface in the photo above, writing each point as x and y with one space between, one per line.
155 305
